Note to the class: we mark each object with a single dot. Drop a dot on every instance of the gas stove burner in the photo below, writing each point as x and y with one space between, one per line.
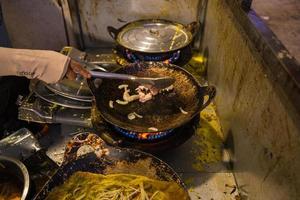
180 57
153 142
149 136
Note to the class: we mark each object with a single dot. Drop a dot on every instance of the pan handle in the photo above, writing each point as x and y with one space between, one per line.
174 57
193 27
112 142
81 139
210 91
113 32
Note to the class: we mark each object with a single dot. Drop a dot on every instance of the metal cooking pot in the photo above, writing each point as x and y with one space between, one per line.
153 39
16 167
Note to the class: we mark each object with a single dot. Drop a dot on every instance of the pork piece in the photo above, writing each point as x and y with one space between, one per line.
146 97
144 93
126 95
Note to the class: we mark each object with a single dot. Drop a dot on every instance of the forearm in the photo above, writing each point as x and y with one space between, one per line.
49 66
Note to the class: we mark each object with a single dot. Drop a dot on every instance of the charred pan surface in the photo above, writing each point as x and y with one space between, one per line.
162 112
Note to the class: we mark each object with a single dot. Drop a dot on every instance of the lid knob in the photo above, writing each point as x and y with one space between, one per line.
154 32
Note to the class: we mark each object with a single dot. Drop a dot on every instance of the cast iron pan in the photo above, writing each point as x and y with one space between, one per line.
162 112
106 160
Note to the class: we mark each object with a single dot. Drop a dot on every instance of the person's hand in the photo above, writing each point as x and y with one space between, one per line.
75 68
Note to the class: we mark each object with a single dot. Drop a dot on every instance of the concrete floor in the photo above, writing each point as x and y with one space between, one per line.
216 182
283 17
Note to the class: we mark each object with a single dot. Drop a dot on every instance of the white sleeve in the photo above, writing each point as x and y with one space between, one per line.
48 66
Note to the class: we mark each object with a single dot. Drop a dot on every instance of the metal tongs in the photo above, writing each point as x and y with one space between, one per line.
159 82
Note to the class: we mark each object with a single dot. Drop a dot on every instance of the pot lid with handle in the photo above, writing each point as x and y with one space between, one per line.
154 36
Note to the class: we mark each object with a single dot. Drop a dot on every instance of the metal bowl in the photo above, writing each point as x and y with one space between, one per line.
17 168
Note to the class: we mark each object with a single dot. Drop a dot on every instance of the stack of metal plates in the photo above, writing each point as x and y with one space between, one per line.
66 93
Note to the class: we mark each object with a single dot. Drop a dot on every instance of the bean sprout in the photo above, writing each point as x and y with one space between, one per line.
183 111
152 129
122 102
122 86
111 104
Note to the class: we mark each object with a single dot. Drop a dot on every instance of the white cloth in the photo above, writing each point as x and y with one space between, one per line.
48 66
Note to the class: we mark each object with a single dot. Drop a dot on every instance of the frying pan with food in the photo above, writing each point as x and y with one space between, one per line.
104 159
167 110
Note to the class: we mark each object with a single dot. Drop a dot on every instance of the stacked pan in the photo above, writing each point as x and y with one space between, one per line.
67 93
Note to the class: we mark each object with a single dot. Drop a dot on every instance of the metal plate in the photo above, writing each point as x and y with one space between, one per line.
154 36
77 90
44 93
